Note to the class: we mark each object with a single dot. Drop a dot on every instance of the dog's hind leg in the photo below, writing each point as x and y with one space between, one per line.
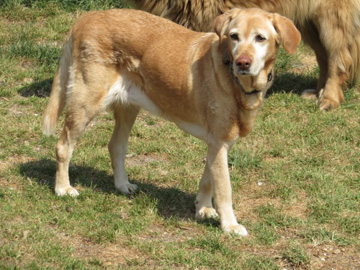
84 101
75 123
203 202
124 119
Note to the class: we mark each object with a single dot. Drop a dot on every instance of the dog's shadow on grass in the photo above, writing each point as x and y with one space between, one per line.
39 89
171 202
292 83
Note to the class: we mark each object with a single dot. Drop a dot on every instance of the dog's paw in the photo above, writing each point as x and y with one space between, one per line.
127 188
69 190
206 212
327 104
310 94
236 229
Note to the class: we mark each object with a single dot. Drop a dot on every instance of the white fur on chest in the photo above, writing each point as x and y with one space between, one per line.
124 92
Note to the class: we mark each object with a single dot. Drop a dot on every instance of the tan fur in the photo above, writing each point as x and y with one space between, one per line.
330 27
126 59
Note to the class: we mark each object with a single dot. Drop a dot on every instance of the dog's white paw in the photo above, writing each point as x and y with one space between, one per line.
127 188
69 190
236 229
206 212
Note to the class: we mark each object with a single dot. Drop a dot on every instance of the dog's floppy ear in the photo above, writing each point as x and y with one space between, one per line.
290 36
221 22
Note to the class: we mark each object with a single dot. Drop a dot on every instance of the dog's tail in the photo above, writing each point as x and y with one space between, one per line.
57 99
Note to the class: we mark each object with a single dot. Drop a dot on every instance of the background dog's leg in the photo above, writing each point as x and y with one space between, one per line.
332 95
203 203
124 119
220 180
337 30
311 36
333 64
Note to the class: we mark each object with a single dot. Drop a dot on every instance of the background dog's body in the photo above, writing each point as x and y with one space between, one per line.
211 86
330 27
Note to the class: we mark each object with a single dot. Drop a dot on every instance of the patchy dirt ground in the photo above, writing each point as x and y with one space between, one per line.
326 256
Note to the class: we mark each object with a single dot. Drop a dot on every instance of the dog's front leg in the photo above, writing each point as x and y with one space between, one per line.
220 181
203 203
124 119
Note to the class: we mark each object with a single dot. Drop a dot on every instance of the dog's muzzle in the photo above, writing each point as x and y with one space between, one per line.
255 91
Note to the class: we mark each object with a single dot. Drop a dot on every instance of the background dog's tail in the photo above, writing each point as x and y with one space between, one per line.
58 93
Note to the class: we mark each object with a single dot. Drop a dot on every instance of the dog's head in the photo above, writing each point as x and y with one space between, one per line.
253 37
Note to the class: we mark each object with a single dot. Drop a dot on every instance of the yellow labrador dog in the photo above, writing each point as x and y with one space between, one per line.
211 85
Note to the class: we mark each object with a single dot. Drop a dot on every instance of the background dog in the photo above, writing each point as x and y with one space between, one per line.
330 27
211 85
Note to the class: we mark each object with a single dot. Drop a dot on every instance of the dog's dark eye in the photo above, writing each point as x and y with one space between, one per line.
234 36
260 38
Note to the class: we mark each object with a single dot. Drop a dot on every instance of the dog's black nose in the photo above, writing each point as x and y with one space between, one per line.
244 62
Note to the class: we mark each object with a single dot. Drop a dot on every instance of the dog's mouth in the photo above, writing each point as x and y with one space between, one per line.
243 72
254 86
253 92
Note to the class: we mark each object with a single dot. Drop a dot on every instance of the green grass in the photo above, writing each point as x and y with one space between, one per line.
295 178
